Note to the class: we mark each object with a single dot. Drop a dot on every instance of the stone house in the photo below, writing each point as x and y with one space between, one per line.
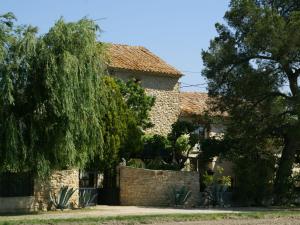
157 77
162 81
193 108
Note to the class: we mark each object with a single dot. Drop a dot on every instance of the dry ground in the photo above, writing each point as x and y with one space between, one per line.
104 211
274 221
120 215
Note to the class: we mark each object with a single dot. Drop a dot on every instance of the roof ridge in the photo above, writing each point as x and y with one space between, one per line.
139 58
125 45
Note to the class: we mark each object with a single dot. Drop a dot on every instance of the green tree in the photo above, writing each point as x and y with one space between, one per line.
179 128
57 108
139 104
138 101
51 96
122 131
252 67
182 139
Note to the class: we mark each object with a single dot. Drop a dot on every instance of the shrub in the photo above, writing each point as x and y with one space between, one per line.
136 163
159 164
155 146
182 144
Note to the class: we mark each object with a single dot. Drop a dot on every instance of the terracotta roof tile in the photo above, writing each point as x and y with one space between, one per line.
137 58
193 103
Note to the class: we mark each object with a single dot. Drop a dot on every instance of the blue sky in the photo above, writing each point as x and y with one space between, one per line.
175 30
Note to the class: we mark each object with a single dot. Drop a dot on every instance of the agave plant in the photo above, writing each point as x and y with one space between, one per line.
179 196
86 197
61 200
214 195
216 188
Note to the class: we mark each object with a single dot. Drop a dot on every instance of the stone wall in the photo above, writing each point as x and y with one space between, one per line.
58 179
40 200
166 91
143 187
16 204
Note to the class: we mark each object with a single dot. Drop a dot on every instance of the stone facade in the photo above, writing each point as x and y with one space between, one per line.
53 184
166 91
143 187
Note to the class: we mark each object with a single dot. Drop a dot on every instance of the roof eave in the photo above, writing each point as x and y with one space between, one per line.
157 73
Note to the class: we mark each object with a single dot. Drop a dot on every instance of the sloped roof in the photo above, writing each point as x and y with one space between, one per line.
137 58
193 103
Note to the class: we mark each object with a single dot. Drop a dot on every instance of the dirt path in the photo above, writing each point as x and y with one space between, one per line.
103 211
113 211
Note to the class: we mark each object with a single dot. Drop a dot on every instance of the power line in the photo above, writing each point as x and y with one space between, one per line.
201 84
188 71
194 87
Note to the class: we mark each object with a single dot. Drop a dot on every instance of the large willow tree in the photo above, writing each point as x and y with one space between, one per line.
253 69
57 110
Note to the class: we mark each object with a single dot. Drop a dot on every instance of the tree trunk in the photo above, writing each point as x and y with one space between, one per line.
282 186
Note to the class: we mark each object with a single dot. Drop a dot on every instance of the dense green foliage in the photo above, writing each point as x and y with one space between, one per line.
171 152
139 104
212 147
182 139
179 128
58 109
138 101
252 67
155 146
122 127
51 100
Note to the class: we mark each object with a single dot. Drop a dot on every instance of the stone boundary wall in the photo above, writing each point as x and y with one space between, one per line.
40 200
58 179
143 187
16 204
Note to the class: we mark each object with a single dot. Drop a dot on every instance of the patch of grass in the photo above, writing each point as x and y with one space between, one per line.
148 219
